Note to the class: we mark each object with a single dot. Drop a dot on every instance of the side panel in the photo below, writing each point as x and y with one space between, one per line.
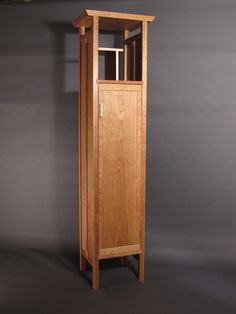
119 168
86 146
83 145
90 147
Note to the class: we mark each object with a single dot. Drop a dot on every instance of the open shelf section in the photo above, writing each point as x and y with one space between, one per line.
120 55
110 63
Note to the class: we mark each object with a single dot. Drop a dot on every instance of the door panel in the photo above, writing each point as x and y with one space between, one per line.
119 165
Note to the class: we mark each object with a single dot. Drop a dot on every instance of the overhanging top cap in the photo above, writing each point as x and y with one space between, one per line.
85 18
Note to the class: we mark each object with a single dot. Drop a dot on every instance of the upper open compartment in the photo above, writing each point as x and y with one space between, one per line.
119 43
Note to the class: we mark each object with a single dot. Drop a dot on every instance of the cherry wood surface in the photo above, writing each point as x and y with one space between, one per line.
112 148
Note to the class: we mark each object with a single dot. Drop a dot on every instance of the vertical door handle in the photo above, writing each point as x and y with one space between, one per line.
101 110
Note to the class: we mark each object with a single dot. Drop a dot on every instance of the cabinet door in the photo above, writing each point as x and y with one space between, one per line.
119 167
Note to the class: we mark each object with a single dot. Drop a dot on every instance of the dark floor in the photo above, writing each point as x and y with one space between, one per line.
33 281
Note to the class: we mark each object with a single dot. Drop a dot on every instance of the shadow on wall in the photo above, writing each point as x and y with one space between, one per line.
38 133
65 86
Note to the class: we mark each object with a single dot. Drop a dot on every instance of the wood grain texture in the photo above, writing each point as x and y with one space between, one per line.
87 258
112 150
112 15
143 132
120 15
119 251
126 35
141 267
125 82
95 274
83 145
119 165
80 20
90 149
95 138
112 20
82 262
119 86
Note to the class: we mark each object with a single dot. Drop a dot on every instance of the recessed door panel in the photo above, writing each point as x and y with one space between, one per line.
119 165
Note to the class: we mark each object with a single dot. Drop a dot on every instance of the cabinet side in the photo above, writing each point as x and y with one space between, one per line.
92 140
143 137
88 143
83 139
86 147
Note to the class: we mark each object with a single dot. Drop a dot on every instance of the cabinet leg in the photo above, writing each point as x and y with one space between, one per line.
141 268
122 260
96 275
82 262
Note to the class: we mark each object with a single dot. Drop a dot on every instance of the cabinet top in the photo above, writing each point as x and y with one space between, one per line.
121 20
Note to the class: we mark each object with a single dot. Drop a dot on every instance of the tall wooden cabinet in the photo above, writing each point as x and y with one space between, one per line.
112 136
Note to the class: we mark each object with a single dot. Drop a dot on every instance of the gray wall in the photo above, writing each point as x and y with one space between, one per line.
191 160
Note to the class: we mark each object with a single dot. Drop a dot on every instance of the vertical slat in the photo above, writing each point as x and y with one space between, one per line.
134 60
117 65
90 140
143 141
80 161
126 34
82 153
95 274
95 151
123 260
141 267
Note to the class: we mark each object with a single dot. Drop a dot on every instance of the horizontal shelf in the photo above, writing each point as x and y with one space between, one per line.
119 82
110 49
